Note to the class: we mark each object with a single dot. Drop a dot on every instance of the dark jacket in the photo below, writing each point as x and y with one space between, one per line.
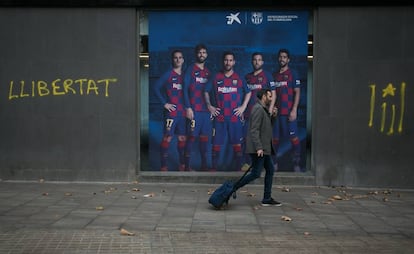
259 135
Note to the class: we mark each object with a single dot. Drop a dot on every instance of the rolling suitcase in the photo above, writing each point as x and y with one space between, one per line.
222 194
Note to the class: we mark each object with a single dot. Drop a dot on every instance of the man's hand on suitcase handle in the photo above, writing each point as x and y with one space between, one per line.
260 152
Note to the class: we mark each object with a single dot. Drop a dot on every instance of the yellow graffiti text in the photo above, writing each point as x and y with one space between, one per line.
59 87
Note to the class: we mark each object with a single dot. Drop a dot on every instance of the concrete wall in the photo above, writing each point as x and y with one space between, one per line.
68 94
363 97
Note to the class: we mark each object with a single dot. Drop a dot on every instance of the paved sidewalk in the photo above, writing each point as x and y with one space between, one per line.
43 217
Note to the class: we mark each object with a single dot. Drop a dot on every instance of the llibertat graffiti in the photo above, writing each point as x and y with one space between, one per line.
390 109
58 87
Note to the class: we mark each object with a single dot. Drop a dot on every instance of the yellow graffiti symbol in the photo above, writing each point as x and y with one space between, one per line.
391 130
383 116
400 124
372 105
389 90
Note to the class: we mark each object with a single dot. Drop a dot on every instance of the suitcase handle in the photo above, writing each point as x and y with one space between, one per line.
238 181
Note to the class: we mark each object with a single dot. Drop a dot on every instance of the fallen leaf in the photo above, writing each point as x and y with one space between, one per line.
135 189
285 189
385 199
336 197
256 207
133 197
45 194
99 208
210 191
359 196
387 192
315 193
298 209
327 202
41 180
149 195
306 233
373 192
286 218
126 232
68 194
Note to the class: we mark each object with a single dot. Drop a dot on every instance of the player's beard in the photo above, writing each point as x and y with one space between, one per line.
201 60
257 67
228 67
282 64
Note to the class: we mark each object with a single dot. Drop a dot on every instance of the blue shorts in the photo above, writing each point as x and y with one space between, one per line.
201 124
175 126
232 130
284 128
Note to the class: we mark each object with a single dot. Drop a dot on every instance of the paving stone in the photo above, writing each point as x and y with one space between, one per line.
178 219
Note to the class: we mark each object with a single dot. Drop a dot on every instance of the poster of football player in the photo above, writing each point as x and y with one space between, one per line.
205 68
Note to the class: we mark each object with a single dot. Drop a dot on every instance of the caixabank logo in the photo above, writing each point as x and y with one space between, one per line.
233 17
237 18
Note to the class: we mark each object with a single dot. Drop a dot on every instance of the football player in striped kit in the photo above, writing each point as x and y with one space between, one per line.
230 97
287 101
200 122
169 91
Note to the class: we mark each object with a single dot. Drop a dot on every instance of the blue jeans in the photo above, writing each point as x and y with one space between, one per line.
258 163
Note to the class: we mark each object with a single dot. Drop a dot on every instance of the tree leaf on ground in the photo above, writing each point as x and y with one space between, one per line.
126 232
286 218
149 195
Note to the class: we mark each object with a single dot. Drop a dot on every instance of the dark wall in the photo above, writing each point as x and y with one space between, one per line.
359 141
362 112
68 94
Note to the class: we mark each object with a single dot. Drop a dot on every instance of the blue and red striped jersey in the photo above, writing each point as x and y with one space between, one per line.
169 89
262 80
195 81
285 83
229 93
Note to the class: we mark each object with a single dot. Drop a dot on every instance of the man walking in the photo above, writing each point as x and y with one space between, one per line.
259 146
